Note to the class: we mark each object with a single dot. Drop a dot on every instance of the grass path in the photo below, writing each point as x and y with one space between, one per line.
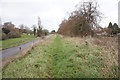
58 58
66 62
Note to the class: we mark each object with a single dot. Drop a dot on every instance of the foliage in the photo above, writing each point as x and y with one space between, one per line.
4 36
45 32
34 29
5 30
110 25
10 31
53 31
22 27
82 21
28 31
113 29
14 34
9 26
39 30
6 33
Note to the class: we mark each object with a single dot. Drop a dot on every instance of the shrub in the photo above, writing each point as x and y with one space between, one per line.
5 30
3 36
83 21
45 32
13 34
53 32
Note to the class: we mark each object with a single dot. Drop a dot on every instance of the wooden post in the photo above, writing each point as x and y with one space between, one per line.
32 44
20 51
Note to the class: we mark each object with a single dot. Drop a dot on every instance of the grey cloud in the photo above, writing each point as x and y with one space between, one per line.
51 12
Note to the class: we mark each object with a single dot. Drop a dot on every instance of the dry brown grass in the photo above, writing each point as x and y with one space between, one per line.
39 63
107 41
109 46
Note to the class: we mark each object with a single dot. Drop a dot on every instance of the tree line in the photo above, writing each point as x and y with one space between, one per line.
84 21
113 29
9 30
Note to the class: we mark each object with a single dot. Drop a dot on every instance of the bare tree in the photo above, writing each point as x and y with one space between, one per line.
9 25
27 30
39 22
39 30
22 27
45 32
83 21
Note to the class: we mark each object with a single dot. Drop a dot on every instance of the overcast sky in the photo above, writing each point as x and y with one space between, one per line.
51 12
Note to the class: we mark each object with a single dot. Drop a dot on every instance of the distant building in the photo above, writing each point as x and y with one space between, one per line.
119 14
101 33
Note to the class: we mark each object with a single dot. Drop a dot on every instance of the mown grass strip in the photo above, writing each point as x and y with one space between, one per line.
66 62
17 41
70 61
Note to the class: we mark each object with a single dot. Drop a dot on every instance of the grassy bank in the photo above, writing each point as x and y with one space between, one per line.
17 41
33 65
61 57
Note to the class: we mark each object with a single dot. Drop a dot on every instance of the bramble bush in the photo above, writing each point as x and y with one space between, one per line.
13 34
4 36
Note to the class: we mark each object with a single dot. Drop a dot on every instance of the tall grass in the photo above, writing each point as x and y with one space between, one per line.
59 58
68 61
31 66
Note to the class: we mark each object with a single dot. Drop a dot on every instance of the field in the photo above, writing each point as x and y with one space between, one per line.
17 41
66 57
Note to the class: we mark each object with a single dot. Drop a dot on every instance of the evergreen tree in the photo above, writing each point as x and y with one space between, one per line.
39 30
110 25
34 29
115 29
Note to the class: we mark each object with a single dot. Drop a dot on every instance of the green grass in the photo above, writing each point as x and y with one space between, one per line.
67 62
17 41
60 59
32 66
